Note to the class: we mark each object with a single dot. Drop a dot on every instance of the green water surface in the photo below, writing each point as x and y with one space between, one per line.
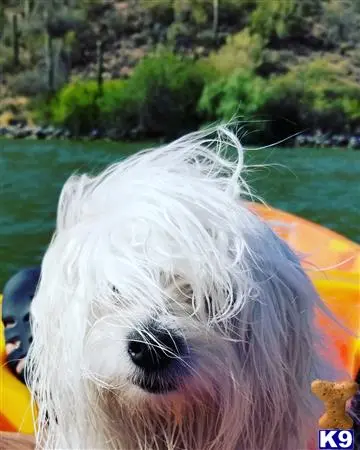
322 185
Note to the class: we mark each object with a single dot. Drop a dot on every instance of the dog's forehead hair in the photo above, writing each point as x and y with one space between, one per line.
170 285
176 293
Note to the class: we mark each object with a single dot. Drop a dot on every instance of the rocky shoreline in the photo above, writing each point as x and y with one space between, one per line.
319 139
20 131
51 132
26 132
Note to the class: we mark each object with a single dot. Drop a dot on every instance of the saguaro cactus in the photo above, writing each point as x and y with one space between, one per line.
49 49
28 6
100 65
215 17
15 40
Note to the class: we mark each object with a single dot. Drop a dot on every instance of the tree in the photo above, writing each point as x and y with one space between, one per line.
215 16
282 18
341 21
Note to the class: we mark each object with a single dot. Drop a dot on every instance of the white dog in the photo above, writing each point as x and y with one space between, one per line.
169 316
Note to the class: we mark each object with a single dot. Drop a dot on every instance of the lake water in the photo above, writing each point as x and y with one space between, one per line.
322 185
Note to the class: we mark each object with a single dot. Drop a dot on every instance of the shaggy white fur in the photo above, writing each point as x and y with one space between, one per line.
169 316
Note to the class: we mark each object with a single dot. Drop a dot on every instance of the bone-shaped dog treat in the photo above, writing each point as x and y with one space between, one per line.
334 396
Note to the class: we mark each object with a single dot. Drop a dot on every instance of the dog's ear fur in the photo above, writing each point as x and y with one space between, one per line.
279 346
16 441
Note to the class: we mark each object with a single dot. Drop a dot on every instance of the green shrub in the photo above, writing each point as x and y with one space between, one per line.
80 107
314 95
160 99
282 18
118 108
286 109
198 12
29 83
241 51
6 58
177 30
340 22
41 109
308 96
76 107
168 95
241 95
167 89
154 4
332 99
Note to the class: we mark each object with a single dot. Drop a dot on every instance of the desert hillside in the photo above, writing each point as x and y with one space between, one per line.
160 67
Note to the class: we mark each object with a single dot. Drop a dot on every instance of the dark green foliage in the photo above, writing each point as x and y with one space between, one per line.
310 96
6 58
58 25
76 107
285 110
241 51
198 12
241 95
29 83
274 19
160 99
119 108
167 88
168 95
80 108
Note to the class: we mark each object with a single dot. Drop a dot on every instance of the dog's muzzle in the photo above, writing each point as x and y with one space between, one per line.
158 354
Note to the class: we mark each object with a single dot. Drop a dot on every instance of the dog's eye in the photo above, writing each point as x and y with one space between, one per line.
187 292
115 290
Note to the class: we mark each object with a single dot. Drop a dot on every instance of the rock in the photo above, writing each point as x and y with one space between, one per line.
140 38
200 51
58 133
158 31
137 54
95 134
18 122
354 142
40 133
126 72
121 6
309 140
21 133
49 132
67 134
3 131
319 138
114 134
136 133
206 38
341 140
300 140
327 142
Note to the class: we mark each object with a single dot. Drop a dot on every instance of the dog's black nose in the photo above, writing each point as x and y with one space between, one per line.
154 349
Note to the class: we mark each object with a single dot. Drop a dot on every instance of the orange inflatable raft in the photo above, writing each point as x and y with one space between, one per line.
333 263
